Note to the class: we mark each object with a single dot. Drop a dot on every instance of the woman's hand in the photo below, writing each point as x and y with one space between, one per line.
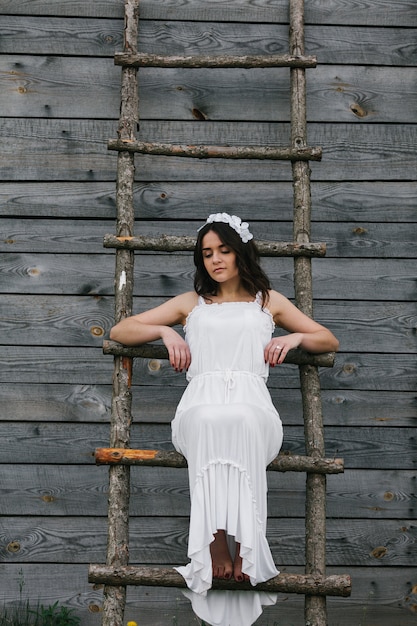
178 350
276 350
304 332
157 324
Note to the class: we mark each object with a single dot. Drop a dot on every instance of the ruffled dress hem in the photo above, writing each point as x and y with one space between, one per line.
223 499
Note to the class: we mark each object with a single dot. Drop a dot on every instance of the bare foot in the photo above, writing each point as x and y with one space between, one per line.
238 575
220 556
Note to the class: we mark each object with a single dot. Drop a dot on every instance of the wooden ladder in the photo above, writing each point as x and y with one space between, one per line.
116 574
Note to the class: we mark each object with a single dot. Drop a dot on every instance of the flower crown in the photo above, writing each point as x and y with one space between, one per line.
242 228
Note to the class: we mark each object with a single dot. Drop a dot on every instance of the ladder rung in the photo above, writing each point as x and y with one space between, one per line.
168 458
303 153
183 243
200 61
158 351
168 577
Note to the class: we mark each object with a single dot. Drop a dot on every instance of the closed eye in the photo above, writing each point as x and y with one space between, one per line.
207 253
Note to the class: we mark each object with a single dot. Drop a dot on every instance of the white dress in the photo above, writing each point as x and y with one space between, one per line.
228 429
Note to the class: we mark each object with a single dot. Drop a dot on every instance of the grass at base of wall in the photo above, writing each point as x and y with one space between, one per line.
23 615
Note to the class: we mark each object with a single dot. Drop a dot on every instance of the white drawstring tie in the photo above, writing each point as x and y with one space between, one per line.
230 383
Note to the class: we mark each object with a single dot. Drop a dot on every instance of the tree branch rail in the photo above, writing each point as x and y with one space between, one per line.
184 243
167 577
158 351
168 458
210 61
302 153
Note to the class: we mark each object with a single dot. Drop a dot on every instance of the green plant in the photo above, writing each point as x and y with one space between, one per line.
55 615
23 615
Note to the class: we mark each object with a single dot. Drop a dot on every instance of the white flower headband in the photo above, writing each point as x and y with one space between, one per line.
242 228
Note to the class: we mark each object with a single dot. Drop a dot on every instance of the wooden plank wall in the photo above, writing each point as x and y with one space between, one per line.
59 99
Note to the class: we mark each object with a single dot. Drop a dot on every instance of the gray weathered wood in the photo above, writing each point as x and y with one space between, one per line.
22 34
378 202
362 494
344 239
92 275
77 36
76 150
357 449
373 495
336 93
86 366
60 95
164 540
49 402
373 12
388 601
45 87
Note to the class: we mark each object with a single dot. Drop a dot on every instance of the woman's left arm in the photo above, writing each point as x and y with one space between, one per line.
303 332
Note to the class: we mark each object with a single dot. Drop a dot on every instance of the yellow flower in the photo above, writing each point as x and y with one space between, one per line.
132 624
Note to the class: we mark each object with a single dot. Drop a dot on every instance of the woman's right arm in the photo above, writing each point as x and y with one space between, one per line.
156 324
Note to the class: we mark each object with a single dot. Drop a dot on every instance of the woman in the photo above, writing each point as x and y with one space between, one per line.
225 424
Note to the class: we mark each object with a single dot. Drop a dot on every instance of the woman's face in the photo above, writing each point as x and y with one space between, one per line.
219 260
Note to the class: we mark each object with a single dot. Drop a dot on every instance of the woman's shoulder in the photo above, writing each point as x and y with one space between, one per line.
186 301
176 309
275 302
171 312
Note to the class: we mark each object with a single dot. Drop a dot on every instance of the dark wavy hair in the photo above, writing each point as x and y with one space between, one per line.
251 274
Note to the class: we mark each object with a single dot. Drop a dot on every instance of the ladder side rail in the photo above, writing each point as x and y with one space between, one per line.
315 609
119 476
